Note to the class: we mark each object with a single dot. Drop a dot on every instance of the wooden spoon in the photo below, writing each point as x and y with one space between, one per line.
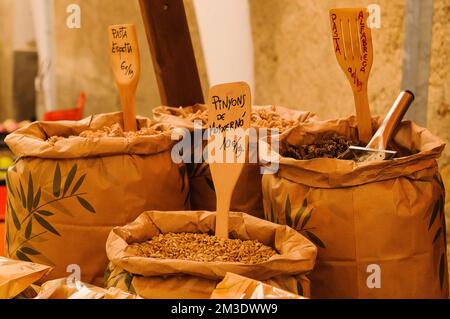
126 65
229 105
352 40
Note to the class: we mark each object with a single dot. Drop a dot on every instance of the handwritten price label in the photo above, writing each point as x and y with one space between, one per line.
352 40
126 66
229 117
124 50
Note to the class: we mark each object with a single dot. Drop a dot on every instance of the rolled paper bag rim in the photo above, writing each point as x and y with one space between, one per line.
296 253
424 148
32 140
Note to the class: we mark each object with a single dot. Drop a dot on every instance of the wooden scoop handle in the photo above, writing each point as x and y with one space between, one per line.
363 116
384 133
229 111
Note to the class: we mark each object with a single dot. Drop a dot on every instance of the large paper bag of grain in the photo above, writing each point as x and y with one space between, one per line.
74 181
172 278
379 225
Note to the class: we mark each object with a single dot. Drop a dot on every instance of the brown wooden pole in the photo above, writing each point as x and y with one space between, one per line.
172 52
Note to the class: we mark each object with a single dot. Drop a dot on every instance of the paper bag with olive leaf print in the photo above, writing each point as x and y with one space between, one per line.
65 197
166 278
379 226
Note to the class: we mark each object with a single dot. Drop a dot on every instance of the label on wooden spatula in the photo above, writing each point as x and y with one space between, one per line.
125 61
124 52
353 48
229 116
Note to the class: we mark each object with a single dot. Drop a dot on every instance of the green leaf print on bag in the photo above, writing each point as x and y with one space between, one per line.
302 217
440 233
31 212
119 278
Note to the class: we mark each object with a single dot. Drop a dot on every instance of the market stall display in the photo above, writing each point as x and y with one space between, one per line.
348 214
151 277
371 221
75 181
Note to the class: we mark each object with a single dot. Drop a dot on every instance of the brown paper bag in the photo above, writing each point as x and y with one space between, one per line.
166 278
65 288
29 293
247 196
16 276
64 198
238 287
379 226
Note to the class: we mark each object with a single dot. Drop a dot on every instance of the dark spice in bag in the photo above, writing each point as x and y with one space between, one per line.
330 146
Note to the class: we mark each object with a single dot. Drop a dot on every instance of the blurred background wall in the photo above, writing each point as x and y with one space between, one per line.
294 61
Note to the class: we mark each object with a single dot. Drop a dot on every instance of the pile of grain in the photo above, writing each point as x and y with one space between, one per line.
114 130
204 248
269 118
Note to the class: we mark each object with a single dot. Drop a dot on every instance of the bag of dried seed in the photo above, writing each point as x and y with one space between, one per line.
172 255
74 181
379 225
247 196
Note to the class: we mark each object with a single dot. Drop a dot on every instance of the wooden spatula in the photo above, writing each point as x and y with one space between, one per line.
126 65
353 48
229 106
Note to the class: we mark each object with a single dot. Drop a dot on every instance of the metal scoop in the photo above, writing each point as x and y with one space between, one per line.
376 149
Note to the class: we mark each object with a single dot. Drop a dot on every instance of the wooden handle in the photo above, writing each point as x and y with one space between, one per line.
363 116
229 108
384 133
126 66
128 102
223 200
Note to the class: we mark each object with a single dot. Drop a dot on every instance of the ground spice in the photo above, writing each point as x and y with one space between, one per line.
330 147
204 248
